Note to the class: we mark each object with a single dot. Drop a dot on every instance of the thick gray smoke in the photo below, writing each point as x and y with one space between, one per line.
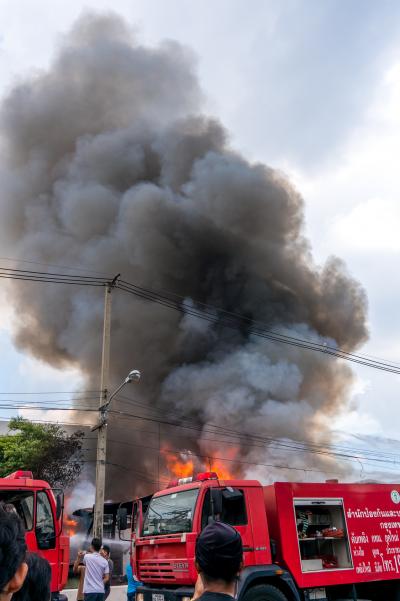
109 165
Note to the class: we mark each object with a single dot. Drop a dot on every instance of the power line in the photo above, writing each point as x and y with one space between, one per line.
69 267
297 446
219 316
265 440
56 423
347 453
193 453
97 392
46 408
290 446
46 401
212 314
213 457
58 278
128 469
238 436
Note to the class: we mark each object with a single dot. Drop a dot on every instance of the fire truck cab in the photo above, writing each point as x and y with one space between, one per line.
41 510
301 541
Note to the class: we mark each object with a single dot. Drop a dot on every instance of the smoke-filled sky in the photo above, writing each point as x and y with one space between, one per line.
124 152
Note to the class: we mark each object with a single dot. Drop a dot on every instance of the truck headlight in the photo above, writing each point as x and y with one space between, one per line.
186 598
139 597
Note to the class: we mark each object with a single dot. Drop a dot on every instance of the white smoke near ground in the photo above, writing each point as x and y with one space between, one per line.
82 496
107 163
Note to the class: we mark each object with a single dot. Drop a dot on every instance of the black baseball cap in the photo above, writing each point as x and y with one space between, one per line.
219 551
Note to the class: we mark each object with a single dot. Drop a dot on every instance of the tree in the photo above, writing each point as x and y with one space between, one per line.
46 450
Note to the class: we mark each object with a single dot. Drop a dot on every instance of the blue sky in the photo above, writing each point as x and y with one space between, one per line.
311 87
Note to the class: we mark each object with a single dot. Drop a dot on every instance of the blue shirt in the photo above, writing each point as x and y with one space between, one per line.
133 583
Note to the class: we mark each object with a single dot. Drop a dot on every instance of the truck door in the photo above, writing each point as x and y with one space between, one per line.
63 541
233 512
137 519
138 511
46 536
129 526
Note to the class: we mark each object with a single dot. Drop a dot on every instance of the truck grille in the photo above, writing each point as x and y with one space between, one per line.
156 570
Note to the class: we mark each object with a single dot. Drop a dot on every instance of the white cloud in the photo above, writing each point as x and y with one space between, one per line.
353 211
74 418
43 377
33 370
369 227
357 422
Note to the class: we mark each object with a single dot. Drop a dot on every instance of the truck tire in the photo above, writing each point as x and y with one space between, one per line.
264 592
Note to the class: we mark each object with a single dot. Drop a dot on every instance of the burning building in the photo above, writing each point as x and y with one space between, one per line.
108 163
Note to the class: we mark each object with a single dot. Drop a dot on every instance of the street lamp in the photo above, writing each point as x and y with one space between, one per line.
98 517
133 376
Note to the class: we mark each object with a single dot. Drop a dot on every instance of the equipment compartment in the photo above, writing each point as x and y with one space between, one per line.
322 534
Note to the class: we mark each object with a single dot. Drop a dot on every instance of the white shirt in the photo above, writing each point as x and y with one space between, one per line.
96 568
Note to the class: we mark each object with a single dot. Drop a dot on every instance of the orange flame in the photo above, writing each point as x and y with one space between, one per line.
181 466
184 465
221 469
70 526
223 463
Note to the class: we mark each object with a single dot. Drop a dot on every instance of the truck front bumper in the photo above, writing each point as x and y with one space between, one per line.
147 593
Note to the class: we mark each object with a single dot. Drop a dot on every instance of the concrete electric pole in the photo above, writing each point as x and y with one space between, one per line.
105 400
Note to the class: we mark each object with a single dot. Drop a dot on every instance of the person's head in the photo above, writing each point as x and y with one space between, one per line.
13 567
37 583
219 554
105 551
95 545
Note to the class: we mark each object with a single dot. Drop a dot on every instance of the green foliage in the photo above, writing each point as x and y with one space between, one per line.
44 449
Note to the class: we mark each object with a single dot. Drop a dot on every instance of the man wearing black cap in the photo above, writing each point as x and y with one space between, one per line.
219 559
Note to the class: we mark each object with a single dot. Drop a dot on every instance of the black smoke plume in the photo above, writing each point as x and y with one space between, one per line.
109 164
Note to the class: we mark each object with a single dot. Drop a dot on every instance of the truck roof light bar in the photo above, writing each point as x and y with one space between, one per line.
206 476
179 481
201 477
19 474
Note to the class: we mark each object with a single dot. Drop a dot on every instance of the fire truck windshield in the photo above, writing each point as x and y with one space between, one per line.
170 514
20 501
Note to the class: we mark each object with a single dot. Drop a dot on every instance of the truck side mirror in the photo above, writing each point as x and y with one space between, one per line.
122 517
216 502
232 494
59 505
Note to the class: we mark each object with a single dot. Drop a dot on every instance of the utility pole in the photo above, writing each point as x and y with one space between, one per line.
105 400
98 514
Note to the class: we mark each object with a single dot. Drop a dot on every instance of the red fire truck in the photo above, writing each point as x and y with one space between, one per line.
301 541
41 509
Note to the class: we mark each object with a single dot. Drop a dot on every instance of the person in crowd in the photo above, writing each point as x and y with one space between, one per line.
133 583
219 560
79 570
96 573
13 567
37 584
105 552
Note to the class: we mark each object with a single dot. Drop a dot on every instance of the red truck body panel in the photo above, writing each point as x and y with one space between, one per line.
326 534
372 522
169 559
58 557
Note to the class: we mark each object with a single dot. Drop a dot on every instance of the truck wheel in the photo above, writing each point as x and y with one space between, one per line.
264 592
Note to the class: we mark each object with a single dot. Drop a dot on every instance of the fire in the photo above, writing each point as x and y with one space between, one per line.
185 464
181 466
71 526
223 463
224 473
